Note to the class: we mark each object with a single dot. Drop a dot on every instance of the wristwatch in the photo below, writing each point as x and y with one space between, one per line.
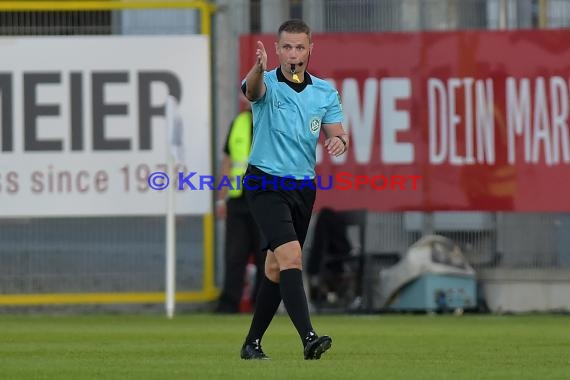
343 141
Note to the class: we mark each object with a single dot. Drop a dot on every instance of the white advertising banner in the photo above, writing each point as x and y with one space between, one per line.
83 125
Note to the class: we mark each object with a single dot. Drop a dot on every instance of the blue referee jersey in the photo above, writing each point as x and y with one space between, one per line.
287 121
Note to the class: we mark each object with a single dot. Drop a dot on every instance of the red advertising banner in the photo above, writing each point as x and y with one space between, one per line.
445 120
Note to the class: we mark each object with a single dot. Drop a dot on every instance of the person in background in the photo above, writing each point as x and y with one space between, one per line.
242 238
330 250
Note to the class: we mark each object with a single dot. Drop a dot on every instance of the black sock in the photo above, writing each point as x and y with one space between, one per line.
295 301
266 304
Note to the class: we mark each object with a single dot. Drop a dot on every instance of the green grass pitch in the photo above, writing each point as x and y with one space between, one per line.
201 346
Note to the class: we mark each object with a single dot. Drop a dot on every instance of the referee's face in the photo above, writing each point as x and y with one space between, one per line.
293 48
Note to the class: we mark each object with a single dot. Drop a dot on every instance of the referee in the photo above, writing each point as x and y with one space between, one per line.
290 106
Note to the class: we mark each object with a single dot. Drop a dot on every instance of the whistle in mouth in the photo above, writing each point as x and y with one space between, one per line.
295 76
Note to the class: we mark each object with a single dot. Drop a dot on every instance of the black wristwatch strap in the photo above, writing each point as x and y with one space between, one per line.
343 141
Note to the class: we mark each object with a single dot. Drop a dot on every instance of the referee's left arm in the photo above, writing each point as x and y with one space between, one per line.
337 139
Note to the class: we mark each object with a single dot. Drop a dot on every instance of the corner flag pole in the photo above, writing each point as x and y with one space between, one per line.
170 246
173 146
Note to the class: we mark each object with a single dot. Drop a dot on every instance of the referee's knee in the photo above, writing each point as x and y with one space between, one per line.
292 263
272 270
289 256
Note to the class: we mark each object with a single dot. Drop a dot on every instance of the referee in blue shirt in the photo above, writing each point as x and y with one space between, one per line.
290 106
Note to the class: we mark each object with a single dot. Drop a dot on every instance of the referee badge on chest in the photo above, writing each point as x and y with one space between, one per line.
315 125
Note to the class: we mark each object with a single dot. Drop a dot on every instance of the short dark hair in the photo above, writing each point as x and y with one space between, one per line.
294 26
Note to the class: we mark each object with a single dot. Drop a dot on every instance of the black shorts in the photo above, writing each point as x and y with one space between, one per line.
280 206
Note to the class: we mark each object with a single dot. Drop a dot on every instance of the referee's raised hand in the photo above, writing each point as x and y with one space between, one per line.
261 56
254 86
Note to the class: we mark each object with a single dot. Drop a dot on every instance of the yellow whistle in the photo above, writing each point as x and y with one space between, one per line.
296 78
